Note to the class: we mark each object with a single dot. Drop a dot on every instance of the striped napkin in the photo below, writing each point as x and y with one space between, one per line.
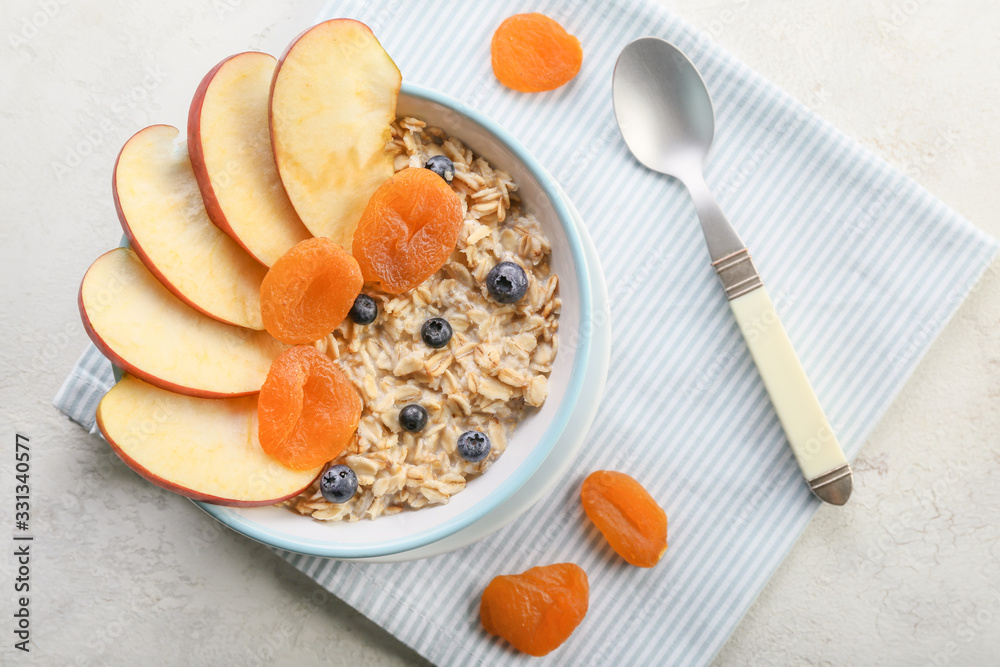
865 268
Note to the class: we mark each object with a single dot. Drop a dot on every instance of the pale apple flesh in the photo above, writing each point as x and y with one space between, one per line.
163 215
230 146
204 449
143 328
333 98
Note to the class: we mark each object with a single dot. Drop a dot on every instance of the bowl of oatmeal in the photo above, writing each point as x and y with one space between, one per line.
511 371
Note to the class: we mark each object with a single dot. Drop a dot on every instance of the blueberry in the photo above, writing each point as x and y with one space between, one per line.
436 332
413 418
364 310
507 282
338 484
441 166
473 446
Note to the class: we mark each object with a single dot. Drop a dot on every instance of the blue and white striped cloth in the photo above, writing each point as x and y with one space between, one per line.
865 268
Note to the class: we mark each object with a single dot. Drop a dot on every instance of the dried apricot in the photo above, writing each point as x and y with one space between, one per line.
533 53
309 291
627 516
408 230
538 610
307 410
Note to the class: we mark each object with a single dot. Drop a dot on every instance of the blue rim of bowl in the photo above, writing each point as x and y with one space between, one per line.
330 549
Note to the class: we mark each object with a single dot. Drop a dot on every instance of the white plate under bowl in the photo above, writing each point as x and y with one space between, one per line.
566 449
535 436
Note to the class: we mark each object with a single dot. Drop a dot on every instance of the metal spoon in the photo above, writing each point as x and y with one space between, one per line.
665 115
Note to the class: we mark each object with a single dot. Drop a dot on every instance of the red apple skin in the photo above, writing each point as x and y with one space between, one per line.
132 370
187 493
197 155
138 248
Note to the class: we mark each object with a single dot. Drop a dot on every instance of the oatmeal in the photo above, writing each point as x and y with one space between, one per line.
491 372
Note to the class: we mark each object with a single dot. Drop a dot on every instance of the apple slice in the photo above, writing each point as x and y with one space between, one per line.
230 147
138 324
332 99
201 448
162 213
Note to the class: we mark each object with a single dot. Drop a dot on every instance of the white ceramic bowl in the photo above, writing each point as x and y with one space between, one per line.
534 437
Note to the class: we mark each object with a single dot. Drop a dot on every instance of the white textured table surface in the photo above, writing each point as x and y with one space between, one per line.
907 573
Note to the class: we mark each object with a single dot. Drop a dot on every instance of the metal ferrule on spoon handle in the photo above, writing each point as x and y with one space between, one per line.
808 430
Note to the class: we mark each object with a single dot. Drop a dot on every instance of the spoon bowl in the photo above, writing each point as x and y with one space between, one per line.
663 108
